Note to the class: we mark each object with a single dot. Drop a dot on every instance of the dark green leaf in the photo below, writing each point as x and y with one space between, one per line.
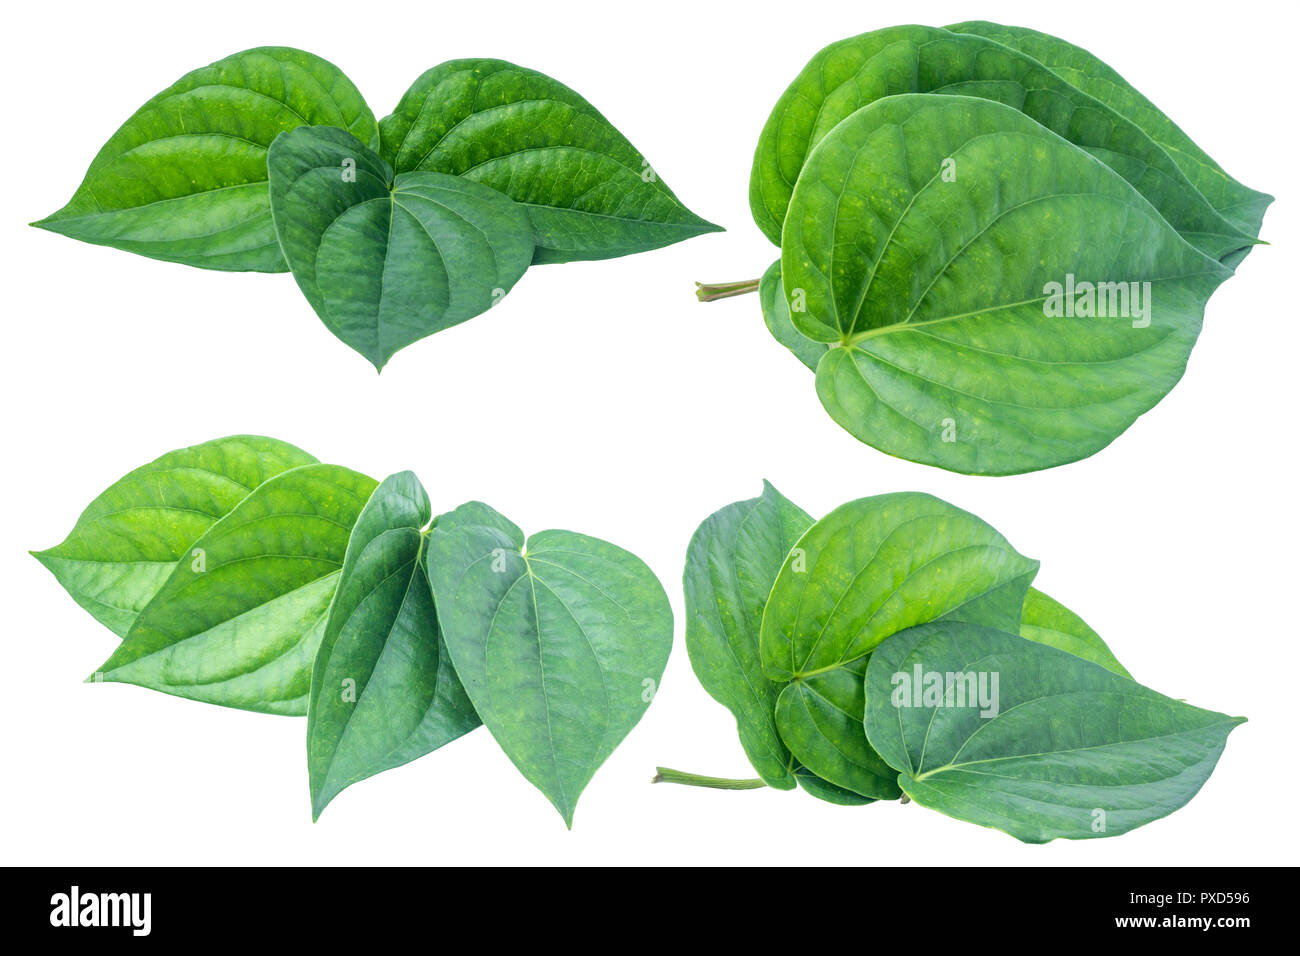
128 540
590 193
184 179
732 561
383 691
858 71
824 790
955 348
1069 749
387 260
560 642
239 623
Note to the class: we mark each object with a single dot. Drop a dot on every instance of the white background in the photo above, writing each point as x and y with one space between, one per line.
602 397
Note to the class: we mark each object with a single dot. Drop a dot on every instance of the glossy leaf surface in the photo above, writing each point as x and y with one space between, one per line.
879 565
861 70
731 565
560 641
388 260
1240 205
1074 750
184 179
776 313
128 540
589 192
383 689
239 624
963 340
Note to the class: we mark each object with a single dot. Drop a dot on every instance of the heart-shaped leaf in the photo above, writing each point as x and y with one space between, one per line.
127 542
963 339
387 260
560 642
732 561
1240 205
184 179
239 623
868 569
383 691
1048 745
861 70
589 192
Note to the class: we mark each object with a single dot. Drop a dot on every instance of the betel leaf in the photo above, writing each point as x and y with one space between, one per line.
383 691
560 641
853 73
731 564
879 565
386 260
776 313
589 192
1240 205
128 540
827 791
184 179
868 569
239 623
1067 749
963 339
1047 621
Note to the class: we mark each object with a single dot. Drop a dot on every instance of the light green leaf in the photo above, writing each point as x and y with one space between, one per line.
387 260
383 691
1069 749
560 642
868 569
128 540
853 73
589 192
1240 205
184 179
239 624
776 313
732 561
948 298
1049 622
878 565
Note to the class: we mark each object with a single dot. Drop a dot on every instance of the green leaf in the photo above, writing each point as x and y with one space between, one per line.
1073 750
589 192
184 179
383 691
776 313
1049 622
948 298
824 790
868 569
858 71
878 565
128 540
387 260
731 564
239 624
820 720
560 643
1240 205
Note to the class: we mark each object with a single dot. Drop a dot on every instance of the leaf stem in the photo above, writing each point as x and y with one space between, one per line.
707 292
667 775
